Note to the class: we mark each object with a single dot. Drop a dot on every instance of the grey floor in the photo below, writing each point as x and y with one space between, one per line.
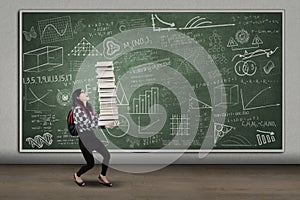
205 182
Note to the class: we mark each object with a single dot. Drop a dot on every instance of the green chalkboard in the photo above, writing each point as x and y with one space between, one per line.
186 81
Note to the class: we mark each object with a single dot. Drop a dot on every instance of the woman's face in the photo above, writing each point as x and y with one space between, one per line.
84 97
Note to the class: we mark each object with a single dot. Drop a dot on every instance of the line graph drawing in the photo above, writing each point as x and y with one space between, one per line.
248 105
171 26
55 29
221 130
196 104
35 102
84 48
201 23
39 141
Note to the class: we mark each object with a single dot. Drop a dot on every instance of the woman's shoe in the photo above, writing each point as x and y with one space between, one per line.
109 184
81 184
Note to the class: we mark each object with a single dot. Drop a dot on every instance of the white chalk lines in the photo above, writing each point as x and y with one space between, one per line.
194 23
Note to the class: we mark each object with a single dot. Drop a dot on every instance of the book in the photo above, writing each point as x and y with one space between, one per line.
107 94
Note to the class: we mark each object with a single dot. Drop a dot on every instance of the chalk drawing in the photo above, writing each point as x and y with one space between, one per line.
269 67
259 52
265 137
248 105
84 48
30 34
243 68
242 38
221 130
196 104
179 124
37 102
123 124
39 141
155 18
111 48
63 97
55 29
236 141
146 103
202 23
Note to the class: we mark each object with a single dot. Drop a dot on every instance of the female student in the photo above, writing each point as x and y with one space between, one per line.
86 120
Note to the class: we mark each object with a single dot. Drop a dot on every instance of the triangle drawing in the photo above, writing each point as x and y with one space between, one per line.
123 100
220 130
84 48
197 104
256 40
232 43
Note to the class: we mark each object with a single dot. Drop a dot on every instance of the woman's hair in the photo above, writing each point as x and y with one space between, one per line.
77 102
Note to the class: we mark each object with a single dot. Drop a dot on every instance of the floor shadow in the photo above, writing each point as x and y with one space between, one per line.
95 183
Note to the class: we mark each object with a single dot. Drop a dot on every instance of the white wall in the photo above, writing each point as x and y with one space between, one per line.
9 80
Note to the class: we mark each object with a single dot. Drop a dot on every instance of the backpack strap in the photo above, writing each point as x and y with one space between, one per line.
70 118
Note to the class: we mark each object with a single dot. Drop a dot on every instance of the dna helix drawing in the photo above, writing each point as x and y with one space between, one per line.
39 141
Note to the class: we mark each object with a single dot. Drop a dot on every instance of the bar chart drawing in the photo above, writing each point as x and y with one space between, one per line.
147 102
265 137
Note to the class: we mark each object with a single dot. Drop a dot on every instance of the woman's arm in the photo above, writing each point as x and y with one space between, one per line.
96 120
82 120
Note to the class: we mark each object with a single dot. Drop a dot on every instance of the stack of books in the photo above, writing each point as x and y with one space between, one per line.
107 94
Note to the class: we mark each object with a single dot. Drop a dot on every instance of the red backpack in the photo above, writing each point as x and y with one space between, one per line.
71 124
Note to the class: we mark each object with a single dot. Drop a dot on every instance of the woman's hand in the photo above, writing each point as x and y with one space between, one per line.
111 125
